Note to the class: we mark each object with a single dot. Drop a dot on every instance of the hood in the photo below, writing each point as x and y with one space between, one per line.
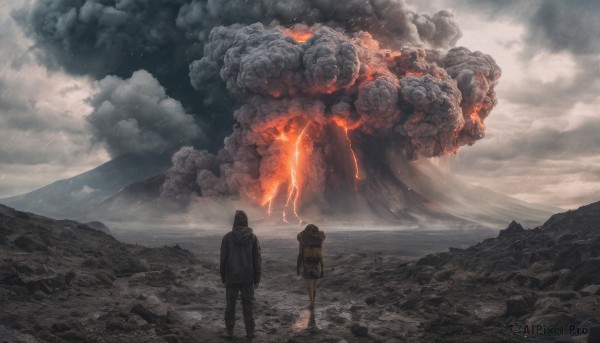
311 235
242 234
240 219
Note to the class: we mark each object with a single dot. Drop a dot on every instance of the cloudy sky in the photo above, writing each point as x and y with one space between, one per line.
542 141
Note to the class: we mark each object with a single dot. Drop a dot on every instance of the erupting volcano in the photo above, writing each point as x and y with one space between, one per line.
324 114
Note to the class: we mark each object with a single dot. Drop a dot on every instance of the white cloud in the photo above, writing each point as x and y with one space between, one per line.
43 132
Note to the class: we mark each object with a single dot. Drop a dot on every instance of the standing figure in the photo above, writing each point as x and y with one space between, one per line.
310 258
240 268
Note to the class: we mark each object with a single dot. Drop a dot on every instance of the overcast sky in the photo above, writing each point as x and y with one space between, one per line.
542 140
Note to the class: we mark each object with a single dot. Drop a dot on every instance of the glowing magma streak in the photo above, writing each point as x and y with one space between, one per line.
270 199
356 176
293 189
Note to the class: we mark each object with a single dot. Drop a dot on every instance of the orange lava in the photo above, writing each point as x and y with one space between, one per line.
300 34
474 113
341 123
290 169
295 169
356 176
414 73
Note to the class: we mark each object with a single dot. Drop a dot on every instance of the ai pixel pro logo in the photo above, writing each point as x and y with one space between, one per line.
517 329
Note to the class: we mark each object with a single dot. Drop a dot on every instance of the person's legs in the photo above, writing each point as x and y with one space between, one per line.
309 287
231 294
314 288
248 308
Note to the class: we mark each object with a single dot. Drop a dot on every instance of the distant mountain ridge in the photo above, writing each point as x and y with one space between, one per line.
77 196
128 188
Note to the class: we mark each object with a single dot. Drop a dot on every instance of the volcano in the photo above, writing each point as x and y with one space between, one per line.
325 116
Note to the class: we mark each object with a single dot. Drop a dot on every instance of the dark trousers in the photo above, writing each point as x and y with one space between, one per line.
232 292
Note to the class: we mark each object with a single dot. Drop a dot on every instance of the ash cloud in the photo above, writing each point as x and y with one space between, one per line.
136 115
101 38
436 115
325 81
312 90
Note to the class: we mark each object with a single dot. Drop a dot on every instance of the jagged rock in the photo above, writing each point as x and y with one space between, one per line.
29 244
586 273
435 260
38 295
563 295
72 336
120 326
104 278
153 310
568 257
359 330
590 290
513 229
517 306
60 327
98 226
143 312
443 275
171 338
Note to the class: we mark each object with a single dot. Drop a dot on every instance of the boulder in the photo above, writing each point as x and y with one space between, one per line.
359 330
590 290
517 306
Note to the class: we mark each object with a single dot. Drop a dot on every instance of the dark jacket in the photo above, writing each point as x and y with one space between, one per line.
241 261
310 237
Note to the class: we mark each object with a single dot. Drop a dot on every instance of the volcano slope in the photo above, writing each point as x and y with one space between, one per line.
64 281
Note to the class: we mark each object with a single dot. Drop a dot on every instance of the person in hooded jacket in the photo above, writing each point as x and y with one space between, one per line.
240 268
310 259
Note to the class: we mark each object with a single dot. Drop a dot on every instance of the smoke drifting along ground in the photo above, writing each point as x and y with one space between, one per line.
320 92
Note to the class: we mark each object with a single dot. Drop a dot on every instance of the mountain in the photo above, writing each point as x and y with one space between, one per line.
408 192
78 196
467 201
401 192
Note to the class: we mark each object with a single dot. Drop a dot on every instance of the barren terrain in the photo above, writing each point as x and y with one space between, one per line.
64 281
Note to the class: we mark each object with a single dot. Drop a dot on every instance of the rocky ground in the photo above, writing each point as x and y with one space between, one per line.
62 281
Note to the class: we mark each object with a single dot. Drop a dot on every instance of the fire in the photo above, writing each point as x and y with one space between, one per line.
414 73
290 171
300 33
295 168
474 113
294 147
356 176
344 125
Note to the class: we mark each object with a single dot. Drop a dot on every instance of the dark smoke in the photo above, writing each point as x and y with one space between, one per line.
420 101
167 38
334 80
135 115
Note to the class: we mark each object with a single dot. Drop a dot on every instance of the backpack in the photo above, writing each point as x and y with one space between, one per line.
312 255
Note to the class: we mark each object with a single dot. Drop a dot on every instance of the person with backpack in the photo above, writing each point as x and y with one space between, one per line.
310 259
240 268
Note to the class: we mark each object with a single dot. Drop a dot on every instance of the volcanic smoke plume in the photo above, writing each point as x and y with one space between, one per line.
324 108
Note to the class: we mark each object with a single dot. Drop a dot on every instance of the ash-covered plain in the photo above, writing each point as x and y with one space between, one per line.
62 281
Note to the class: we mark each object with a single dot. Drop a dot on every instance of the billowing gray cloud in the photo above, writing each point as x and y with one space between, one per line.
43 133
307 91
567 25
136 115
436 118
551 24
99 38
